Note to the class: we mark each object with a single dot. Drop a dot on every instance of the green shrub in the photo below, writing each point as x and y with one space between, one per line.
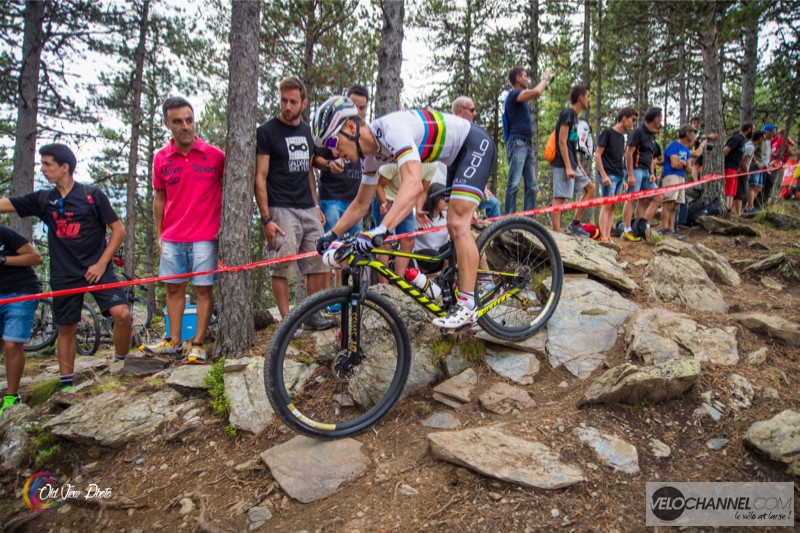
42 390
216 388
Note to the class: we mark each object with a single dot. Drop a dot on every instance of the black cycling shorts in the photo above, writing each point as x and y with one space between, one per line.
468 175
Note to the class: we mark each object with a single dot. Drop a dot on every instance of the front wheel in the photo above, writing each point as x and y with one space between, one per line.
87 336
324 386
517 256
44 330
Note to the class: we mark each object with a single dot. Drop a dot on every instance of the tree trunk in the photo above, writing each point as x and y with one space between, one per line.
467 59
149 226
587 37
714 192
133 155
682 84
749 69
235 334
308 55
533 60
598 99
27 111
390 58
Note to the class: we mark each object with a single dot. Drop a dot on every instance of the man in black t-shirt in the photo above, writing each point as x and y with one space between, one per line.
17 278
76 216
568 174
286 195
609 160
733 154
641 165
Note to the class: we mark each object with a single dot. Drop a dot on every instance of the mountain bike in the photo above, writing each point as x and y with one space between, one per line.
44 330
339 382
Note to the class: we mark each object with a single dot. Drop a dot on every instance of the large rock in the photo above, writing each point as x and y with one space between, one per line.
460 387
535 344
715 265
726 227
308 469
244 388
585 325
768 263
656 336
598 261
113 419
144 366
491 452
782 221
629 384
518 366
189 378
86 366
772 326
502 398
682 282
778 438
13 434
615 452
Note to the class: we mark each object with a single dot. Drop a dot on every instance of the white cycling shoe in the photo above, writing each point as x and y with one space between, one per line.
457 318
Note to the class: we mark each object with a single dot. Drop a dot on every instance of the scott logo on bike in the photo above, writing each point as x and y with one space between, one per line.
476 158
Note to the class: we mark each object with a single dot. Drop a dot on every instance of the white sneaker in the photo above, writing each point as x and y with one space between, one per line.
457 318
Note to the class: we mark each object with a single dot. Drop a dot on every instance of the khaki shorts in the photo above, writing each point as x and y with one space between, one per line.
679 196
302 227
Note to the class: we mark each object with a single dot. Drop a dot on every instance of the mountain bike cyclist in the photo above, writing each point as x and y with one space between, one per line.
410 138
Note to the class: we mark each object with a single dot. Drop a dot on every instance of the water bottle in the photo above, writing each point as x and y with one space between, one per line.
420 281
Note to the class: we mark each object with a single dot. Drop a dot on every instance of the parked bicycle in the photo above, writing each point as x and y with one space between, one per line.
96 327
44 331
341 381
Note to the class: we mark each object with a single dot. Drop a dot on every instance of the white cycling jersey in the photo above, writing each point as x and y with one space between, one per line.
414 135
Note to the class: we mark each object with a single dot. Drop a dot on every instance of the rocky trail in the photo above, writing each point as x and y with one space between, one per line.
667 361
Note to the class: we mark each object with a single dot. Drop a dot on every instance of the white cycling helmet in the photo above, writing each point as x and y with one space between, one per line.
330 117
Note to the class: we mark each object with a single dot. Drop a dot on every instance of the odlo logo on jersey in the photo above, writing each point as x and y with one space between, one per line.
476 158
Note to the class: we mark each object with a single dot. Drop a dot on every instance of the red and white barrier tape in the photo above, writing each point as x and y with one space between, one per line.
593 202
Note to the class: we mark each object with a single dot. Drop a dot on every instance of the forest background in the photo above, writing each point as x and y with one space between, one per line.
725 61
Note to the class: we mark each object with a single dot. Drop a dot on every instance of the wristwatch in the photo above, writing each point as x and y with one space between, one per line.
266 220
2 260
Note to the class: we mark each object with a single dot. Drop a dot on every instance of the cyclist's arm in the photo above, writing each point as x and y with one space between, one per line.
410 190
426 184
6 206
27 255
356 210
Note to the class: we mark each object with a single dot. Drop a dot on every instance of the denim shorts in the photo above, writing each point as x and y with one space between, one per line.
333 210
185 257
642 179
611 190
16 319
408 224
756 180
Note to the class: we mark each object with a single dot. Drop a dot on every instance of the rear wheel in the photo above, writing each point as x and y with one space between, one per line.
44 330
518 254
322 390
87 336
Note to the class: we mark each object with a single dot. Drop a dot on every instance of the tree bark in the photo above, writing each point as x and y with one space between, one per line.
27 111
149 225
714 192
598 127
749 69
682 84
133 154
533 60
390 58
587 37
235 334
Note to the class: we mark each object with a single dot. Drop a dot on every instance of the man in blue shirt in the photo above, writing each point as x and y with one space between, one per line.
677 161
518 125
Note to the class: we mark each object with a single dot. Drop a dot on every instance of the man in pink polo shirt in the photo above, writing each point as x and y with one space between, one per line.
187 178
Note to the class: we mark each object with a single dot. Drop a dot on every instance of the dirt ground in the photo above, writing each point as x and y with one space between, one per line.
452 498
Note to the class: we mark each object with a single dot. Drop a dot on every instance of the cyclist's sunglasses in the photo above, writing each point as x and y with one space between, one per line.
332 142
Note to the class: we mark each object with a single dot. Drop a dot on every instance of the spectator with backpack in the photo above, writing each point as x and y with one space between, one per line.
568 174
518 131
76 216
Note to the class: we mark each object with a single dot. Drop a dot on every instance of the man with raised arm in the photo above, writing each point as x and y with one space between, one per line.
411 138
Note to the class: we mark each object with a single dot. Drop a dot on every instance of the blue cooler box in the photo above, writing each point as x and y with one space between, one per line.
188 324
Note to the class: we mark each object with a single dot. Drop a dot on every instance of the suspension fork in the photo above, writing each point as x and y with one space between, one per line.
351 314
